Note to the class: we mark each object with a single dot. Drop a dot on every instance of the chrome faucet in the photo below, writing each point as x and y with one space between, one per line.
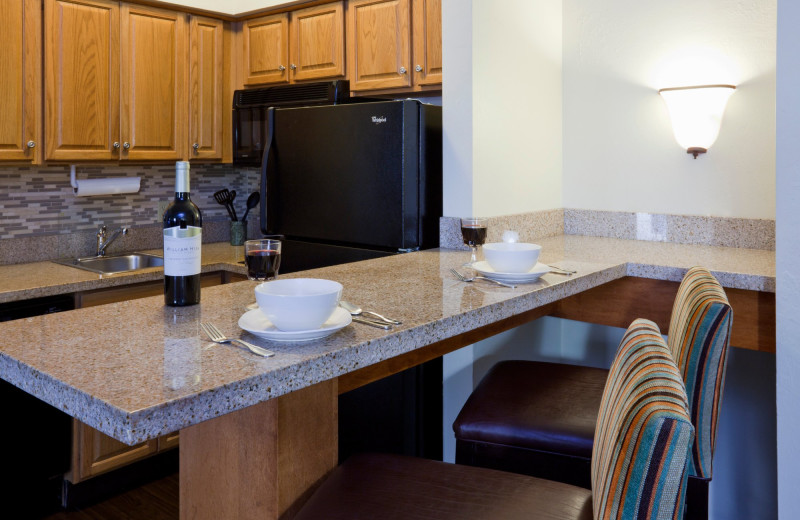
103 243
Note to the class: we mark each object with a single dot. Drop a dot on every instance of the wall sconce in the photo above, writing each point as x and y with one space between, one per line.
696 114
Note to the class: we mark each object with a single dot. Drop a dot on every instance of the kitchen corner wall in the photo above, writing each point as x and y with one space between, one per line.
502 115
619 150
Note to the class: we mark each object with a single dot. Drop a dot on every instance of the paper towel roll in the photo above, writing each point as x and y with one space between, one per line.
113 186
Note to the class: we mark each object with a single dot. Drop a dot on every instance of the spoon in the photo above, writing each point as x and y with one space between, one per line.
252 202
357 311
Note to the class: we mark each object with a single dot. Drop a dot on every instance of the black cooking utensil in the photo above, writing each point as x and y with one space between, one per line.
233 210
223 198
252 202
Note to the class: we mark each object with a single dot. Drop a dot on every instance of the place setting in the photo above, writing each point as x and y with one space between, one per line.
297 309
505 263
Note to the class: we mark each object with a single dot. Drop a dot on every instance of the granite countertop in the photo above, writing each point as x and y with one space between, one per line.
33 280
137 369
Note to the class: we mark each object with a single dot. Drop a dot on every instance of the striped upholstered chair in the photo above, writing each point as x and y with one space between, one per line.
538 418
639 465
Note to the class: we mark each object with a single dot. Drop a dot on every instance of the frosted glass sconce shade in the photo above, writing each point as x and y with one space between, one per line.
696 114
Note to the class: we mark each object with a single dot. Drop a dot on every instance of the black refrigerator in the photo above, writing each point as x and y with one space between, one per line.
354 181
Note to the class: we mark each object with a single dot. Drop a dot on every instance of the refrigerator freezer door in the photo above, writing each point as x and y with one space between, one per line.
346 174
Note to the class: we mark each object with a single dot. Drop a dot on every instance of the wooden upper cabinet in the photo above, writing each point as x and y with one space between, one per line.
153 83
427 18
317 42
205 88
20 82
266 49
379 44
81 56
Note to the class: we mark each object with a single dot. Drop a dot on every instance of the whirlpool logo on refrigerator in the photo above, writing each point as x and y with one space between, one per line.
378 119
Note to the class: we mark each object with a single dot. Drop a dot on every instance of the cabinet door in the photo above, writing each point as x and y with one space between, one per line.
379 53
98 453
81 56
20 83
317 47
266 49
205 88
427 42
153 83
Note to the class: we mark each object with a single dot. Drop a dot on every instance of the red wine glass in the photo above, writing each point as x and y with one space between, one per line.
262 258
473 231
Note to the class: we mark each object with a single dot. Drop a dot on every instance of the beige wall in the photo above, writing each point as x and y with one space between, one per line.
502 115
619 151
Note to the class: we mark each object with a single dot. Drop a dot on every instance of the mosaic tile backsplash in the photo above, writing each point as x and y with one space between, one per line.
39 202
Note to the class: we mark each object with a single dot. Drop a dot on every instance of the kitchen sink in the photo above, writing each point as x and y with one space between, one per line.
113 264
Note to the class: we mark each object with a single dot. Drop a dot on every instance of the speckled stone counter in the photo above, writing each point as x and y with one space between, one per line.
33 280
137 369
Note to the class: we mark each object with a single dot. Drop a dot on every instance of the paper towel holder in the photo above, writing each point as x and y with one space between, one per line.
110 186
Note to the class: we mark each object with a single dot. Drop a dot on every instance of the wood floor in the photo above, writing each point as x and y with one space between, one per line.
157 500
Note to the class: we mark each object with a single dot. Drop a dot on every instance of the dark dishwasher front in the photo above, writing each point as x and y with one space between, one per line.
37 436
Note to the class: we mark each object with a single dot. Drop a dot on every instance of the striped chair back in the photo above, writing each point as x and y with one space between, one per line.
643 434
699 335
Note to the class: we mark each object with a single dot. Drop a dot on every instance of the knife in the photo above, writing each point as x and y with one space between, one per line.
372 323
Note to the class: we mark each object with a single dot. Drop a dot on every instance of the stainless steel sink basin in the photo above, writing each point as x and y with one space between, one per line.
114 263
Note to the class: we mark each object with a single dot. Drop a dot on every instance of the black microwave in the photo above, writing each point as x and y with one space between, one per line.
250 112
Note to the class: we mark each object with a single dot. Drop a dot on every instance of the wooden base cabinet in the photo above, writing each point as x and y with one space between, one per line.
20 83
94 453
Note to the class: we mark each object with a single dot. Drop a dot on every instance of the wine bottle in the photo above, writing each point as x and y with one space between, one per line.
182 242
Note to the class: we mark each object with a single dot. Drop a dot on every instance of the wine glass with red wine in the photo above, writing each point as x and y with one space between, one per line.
262 258
473 231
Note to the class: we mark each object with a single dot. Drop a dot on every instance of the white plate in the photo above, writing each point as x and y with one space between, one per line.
256 323
486 270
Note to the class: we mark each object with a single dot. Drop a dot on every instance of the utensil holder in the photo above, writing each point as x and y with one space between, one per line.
238 233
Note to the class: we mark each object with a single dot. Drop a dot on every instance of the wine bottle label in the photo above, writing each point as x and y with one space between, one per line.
182 251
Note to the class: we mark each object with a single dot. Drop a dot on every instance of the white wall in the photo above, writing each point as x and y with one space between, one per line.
516 50
229 7
502 119
788 252
619 151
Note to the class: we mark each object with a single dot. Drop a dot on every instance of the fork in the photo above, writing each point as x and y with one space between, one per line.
561 270
218 337
477 277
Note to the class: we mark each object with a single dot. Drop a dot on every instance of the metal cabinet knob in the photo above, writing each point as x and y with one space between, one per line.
418 68
116 145
31 144
281 68
403 70
126 145
196 146
293 66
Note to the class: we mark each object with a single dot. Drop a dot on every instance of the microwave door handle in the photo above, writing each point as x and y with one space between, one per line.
264 164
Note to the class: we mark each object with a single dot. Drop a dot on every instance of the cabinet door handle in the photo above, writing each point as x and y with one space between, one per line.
403 70
196 146
126 145
293 66
116 145
281 68
31 144
418 68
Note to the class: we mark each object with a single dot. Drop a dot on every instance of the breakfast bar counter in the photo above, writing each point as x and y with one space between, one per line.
258 433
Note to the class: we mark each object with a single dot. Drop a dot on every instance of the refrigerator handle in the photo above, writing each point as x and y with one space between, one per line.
264 164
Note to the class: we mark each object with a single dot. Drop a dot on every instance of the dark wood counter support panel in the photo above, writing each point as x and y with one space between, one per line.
619 302
397 364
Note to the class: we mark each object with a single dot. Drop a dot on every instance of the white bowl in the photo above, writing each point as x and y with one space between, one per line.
511 257
299 303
